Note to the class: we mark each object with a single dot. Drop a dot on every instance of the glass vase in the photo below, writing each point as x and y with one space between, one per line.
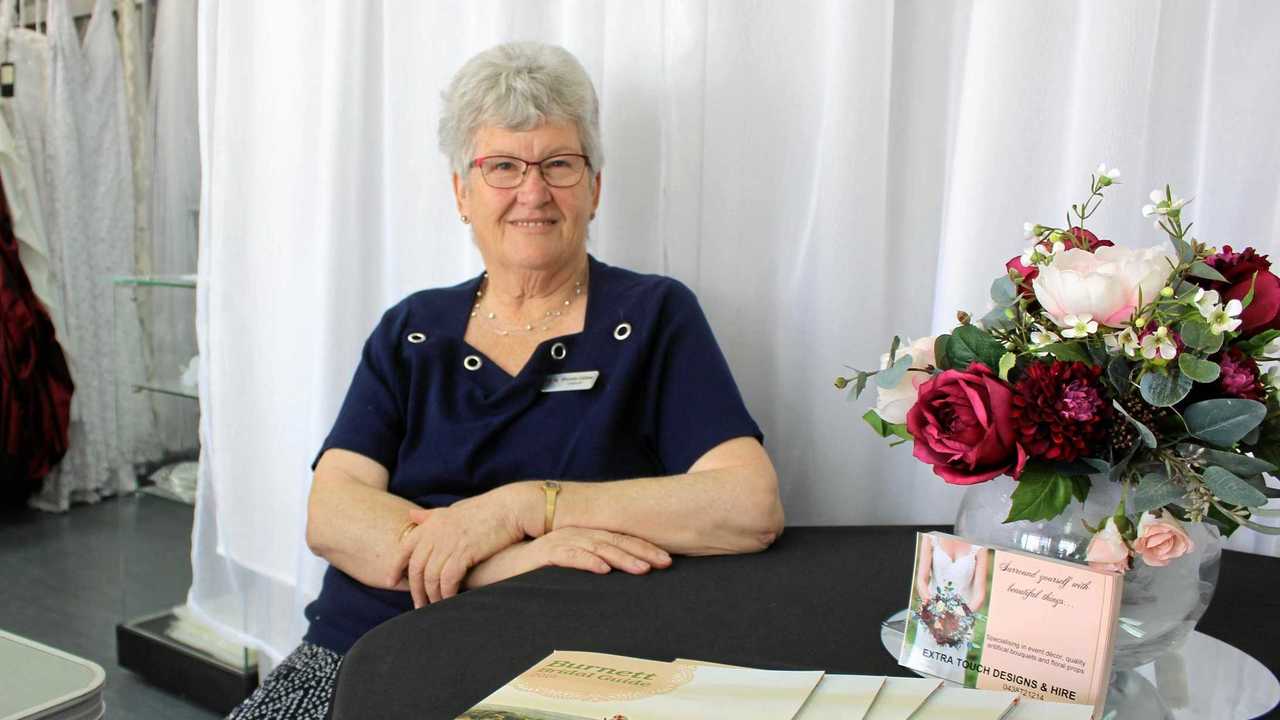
1161 605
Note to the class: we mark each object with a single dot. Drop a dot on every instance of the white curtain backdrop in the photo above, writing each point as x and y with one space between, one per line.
823 174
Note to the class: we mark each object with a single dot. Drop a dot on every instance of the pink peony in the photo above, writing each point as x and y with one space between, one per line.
1161 538
1107 551
963 426
1105 285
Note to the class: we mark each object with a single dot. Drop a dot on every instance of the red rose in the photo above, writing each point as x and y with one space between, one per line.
1239 268
962 424
1083 239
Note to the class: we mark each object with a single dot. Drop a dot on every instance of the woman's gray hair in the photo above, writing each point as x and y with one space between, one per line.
518 86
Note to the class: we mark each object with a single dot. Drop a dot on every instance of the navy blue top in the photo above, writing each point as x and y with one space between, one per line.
664 397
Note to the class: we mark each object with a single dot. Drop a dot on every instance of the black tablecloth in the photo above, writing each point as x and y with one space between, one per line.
812 601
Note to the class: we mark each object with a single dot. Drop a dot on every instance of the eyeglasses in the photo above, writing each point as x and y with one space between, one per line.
505 172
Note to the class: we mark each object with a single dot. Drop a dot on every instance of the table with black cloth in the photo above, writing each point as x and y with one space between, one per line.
812 601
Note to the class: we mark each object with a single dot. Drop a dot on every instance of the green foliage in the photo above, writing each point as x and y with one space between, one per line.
1195 333
1118 370
1042 494
1255 344
1003 292
1200 270
1069 351
890 376
1224 422
1154 490
1144 432
1183 248
1007 363
1241 465
941 346
1165 390
886 429
1199 370
969 343
1231 489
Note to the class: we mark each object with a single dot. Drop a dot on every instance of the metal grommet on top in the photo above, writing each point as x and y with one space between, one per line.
558 351
622 332
416 337
471 362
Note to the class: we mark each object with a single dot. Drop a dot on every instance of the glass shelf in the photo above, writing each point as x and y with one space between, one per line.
174 281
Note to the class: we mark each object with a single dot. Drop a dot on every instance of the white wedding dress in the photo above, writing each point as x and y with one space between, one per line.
959 573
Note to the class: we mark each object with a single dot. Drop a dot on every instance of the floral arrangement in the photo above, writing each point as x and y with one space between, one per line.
948 618
1100 363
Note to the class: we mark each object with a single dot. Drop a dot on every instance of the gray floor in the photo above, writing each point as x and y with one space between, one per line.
66 580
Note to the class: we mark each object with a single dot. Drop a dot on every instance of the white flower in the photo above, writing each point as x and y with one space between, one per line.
1159 343
1041 337
893 403
1078 326
1272 377
1105 176
1225 319
1206 301
1058 248
1104 284
1125 341
1029 230
1162 205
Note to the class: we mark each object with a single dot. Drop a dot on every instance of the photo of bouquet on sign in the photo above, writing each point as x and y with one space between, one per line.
1101 363
948 618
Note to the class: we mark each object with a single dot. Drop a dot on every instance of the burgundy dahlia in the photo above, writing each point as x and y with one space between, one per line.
1240 376
1059 410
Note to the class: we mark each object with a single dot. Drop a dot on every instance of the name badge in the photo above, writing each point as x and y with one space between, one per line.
564 382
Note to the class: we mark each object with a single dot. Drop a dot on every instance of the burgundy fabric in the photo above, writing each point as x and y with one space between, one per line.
35 384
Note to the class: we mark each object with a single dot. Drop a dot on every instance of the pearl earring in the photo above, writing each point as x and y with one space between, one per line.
466 220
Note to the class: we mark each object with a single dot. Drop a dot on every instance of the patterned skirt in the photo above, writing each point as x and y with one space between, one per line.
300 688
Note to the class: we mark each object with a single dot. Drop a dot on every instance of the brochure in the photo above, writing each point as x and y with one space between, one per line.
901 697
591 686
954 703
847 697
999 619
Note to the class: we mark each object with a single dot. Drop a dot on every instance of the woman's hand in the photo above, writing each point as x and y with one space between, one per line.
597 551
449 541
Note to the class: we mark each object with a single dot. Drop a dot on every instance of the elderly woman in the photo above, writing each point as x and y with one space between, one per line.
554 410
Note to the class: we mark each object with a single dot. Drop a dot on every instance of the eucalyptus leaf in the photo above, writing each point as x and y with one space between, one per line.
1118 370
970 343
1252 437
859 384
1003 292
1154 490
1259 483
996 319
1144 432
1224 421
1097 352
1242 465
1199 370
1200 270
1231 489
1195 332
1041 494
1183 248
893 349
1165 390
890 377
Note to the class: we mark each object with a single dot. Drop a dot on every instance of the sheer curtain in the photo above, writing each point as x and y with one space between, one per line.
823 174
